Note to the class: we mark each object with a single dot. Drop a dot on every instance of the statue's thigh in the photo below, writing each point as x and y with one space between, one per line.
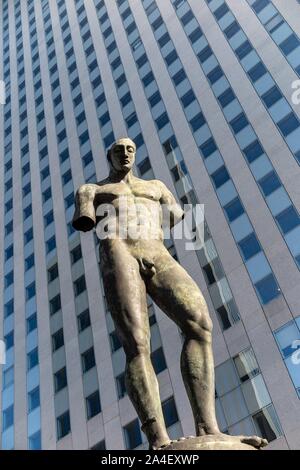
176 293
126 297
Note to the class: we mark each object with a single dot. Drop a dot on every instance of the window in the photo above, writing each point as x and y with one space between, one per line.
9 279
234 210
27 212
244 49
76 254
31 323
239 123
269 183
223 316
267 289
63 425
289 44
253 151
93 406
215 74
121 387
179 77
57 340
115 343
162 120
55 304
226 97
60 379
220 176
8 377
272 96
265 421
288 124
257 71
170 412
100 446
35 441
132 434
88 360
188 98
30 291
195 35
154 99
288 219
28 236
197 121
208 147
48 218
9 340
9 252
8 308
8 418
33 399
83 320
47 194
144 166
221 11
50 244
246 365
158 360
249 246
79 285
259 5
32 359
66 177
53 273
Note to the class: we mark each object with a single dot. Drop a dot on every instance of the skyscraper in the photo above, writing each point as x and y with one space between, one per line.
204 88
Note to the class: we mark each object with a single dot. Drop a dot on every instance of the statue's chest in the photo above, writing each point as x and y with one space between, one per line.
111 192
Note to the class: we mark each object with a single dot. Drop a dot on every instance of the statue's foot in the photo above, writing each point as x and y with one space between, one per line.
254 441
160 445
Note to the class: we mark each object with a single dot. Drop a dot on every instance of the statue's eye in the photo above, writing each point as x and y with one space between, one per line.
130 149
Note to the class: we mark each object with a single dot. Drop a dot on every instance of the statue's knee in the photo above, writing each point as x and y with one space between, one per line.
200 328
139 345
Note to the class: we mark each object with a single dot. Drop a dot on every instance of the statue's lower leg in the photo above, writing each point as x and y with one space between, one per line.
142 387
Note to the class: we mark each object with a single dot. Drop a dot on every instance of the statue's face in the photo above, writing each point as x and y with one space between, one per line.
123 154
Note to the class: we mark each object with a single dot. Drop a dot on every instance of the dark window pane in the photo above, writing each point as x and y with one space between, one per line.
93 406
268 289
220 177
170 412
249 246
288 219
63 425
158 360
132 434
234 210
270 183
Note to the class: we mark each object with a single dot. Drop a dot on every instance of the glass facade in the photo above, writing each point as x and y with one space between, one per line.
76 73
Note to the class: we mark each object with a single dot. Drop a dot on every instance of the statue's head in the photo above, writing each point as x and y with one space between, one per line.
121 155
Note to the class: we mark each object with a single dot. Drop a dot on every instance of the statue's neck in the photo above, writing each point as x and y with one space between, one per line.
120 176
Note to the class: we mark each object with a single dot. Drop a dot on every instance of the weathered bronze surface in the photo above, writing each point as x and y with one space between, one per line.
132 268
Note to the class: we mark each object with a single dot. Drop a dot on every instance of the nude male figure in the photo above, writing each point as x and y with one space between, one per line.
132 268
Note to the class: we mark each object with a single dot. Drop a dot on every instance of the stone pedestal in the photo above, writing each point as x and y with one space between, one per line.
217 442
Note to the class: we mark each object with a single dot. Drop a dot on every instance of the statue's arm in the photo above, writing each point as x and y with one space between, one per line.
170 206
84 218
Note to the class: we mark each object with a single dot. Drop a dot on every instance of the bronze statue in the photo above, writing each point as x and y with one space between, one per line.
133 267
